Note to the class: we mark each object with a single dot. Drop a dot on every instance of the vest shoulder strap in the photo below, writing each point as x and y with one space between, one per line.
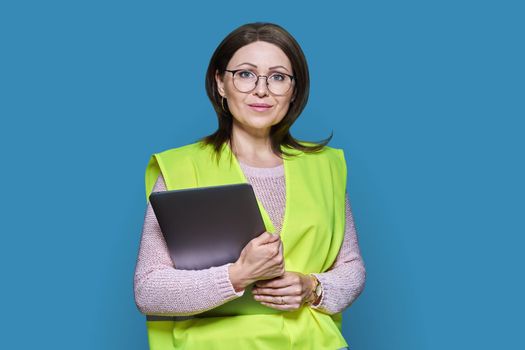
167 161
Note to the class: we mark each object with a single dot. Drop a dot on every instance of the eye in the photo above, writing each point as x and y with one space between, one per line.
245 74
278 77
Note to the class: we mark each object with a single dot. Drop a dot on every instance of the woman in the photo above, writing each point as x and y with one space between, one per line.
306 268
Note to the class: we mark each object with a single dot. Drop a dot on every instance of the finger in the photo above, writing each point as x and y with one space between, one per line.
278 306
268 282
274 239
287 306
290 290
273 299
267 237
278 282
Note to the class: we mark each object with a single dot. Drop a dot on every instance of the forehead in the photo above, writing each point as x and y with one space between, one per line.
262 54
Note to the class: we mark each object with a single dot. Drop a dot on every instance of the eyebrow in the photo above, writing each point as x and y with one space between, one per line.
253 65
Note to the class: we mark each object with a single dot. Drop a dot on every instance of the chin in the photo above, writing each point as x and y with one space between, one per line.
258 124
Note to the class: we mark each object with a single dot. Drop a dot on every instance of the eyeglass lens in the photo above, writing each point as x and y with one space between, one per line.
278 83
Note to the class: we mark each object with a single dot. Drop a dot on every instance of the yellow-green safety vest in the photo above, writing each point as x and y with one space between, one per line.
312 234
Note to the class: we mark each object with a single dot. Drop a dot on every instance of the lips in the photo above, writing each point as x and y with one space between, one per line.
260 105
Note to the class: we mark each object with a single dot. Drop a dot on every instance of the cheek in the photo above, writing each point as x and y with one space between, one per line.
230 90
283 108
236 105
235 102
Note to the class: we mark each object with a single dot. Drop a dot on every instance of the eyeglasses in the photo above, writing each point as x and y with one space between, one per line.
245 81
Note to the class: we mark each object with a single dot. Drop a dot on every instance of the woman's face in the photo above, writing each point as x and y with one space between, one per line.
261 58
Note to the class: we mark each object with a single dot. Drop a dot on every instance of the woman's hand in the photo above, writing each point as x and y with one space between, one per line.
287 292
261 259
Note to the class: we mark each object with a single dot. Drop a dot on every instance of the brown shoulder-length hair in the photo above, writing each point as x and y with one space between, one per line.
279 133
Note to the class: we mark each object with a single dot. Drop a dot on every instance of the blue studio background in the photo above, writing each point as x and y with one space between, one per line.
425 97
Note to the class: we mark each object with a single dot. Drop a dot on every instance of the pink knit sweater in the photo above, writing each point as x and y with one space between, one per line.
161 289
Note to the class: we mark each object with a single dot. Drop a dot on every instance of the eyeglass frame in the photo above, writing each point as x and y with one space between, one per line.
257 81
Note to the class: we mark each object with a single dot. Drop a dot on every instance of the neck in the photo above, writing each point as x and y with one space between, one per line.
255 143
253 149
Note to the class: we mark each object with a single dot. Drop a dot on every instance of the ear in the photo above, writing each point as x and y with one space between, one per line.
220 83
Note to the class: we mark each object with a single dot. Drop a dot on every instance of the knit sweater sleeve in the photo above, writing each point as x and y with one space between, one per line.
163 290
345 280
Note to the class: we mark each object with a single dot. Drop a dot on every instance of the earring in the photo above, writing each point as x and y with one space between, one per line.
222 104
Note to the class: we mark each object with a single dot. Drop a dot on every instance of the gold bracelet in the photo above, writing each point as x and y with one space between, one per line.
313 293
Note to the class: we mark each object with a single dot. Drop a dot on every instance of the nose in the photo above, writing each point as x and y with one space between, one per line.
261 86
